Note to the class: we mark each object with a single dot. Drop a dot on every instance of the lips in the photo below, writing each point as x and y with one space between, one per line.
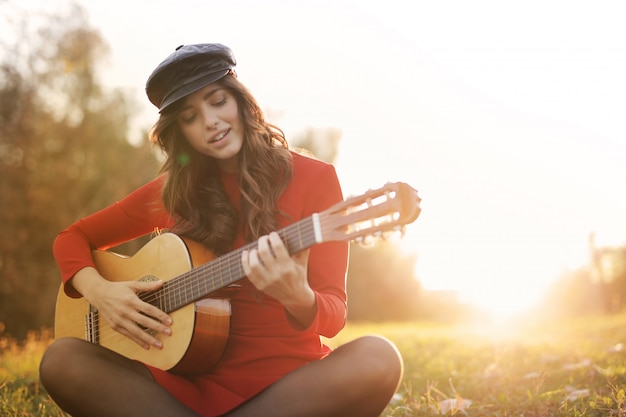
219 136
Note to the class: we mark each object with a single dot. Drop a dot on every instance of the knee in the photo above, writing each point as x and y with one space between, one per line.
57 360
385 366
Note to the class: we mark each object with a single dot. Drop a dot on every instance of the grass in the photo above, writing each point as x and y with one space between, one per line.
573 368
21 394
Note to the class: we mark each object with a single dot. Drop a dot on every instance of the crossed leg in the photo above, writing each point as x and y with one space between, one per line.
357 379
88 380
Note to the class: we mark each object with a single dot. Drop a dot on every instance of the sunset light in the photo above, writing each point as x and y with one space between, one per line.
457 248
508 118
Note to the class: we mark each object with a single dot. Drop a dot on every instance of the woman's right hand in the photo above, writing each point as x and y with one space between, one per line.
119 304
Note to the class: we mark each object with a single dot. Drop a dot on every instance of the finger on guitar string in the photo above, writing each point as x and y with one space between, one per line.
252 261
128 327
277 246
142 329
146 307
245 262
132 317
271 250
140 336
151 324
143 326
264 250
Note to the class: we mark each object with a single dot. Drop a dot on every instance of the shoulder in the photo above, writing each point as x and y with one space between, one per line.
307 166
314 186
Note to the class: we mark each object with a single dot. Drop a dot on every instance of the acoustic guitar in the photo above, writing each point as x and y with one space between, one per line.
197 284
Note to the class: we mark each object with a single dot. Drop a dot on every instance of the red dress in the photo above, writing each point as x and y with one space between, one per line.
264 344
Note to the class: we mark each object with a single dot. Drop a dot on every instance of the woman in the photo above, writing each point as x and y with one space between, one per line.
228 179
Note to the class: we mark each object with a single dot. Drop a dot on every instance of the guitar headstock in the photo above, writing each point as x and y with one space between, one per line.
373 213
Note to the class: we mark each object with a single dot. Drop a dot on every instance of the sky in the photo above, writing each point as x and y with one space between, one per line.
507 117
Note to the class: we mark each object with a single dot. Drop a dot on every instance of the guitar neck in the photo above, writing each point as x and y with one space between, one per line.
371 214
227 269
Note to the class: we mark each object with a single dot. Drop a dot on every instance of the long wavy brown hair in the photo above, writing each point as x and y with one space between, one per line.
193 193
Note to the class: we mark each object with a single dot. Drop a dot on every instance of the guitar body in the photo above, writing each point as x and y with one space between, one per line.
199 329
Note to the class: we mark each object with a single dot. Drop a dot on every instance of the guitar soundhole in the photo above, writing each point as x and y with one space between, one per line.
148 278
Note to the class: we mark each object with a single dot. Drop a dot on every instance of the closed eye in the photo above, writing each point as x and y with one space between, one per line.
187 119
220 103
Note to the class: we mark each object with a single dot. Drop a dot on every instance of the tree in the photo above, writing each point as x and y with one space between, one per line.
382 283
596 288
64 153
321 142
608 274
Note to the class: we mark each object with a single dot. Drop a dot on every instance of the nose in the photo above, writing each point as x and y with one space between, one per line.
211 119
212 124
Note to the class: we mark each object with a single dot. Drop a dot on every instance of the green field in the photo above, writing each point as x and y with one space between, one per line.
573 368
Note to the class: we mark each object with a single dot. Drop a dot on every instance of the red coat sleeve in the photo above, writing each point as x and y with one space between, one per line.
317 186
138 214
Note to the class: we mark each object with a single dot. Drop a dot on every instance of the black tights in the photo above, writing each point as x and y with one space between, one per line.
357 379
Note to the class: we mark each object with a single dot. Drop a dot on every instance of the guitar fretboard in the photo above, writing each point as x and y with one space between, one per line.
227 269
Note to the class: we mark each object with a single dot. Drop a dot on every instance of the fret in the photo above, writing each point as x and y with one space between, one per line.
178 296
299 235
159 301
221 273
224 270
186 293
230 268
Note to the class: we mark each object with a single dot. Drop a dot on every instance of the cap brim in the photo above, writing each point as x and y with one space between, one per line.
191 87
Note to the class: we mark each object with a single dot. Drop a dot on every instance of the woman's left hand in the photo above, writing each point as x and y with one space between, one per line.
272 271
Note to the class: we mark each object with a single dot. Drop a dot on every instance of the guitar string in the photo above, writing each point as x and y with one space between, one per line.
108 335
190 278
193 280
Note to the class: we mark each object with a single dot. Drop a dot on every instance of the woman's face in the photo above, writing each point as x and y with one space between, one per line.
209 120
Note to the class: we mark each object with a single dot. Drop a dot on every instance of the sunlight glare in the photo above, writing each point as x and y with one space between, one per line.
506 117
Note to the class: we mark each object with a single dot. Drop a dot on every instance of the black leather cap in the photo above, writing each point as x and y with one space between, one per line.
188 69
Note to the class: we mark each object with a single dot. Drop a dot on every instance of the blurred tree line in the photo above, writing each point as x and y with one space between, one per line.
64 153
599 287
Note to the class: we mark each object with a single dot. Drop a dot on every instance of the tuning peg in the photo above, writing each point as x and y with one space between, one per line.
367 241
396 232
